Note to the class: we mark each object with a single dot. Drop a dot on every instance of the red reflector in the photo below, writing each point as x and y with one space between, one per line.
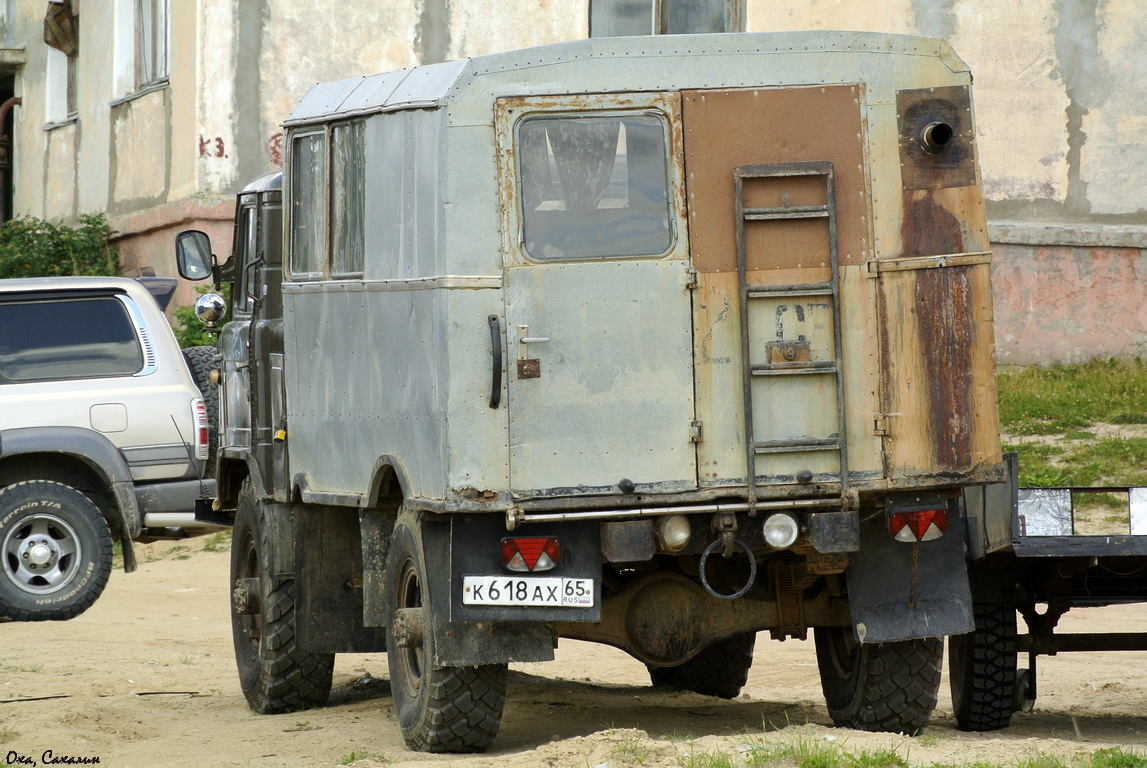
540 554
919 525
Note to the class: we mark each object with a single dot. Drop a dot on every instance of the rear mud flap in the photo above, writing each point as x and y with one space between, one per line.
896 595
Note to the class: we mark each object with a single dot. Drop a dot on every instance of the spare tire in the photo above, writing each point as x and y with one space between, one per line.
200 362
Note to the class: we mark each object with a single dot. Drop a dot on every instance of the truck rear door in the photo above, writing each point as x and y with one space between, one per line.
598 302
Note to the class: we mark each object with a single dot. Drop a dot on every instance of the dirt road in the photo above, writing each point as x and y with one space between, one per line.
146 679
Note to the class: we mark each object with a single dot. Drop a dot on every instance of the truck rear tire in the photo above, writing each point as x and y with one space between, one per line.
274 674
720 670
889 687
55 552
982 669
452 709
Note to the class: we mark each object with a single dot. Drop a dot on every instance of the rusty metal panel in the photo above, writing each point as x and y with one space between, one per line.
729 128
939 369
930 163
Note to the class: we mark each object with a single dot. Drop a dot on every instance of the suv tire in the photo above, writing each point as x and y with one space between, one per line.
55 552
200 362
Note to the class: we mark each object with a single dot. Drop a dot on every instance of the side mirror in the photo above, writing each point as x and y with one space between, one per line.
193 255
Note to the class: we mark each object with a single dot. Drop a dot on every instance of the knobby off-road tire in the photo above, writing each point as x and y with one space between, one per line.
720 670
274 674
888 687
454 709
982 670
201 361
56 552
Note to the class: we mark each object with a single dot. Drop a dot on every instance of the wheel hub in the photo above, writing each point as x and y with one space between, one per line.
40 554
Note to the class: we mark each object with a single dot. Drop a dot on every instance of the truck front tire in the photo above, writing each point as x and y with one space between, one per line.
982 669
449 709
889 687
720 670
56 550
274 674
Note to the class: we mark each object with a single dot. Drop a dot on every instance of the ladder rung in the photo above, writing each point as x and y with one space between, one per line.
793 369
791 212
797 446
811 289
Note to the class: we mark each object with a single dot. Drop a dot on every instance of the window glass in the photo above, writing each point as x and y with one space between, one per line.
616 18
308 204
348 199
67 339
609 18
151 42
247 251
594 187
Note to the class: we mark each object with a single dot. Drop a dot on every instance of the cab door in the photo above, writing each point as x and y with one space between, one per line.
598 296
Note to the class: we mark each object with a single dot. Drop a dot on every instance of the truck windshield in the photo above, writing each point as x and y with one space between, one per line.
594 186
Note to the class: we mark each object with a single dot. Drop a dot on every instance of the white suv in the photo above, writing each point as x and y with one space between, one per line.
104 435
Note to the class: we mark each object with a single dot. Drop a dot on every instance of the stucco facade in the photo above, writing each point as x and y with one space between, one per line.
1060 100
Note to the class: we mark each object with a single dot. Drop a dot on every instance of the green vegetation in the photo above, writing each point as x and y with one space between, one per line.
35 248
1064 422
189 331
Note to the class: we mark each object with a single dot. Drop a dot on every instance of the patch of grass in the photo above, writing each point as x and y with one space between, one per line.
8 734
218 542
353 757
22 667
630 748
1117 757
1065 398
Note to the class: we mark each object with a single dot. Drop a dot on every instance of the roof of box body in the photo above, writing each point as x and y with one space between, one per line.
431 86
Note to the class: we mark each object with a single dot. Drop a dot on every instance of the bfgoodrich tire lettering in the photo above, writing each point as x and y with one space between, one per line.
887 687
55 552
274 674
453 709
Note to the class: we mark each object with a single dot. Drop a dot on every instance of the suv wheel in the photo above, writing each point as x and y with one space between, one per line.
56 552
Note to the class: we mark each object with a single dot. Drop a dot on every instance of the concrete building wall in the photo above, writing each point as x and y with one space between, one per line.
1061 102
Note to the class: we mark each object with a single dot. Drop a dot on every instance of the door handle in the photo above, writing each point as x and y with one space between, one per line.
496 352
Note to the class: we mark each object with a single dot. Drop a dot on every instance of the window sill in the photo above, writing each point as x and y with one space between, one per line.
69 120
142 91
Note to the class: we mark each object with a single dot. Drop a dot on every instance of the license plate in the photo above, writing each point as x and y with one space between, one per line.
544 591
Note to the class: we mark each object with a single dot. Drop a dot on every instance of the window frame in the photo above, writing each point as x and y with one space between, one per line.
326 271
152 43
509 110
659 17
606 114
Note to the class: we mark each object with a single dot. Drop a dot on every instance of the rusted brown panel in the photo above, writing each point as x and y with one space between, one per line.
725 129
939 383
943 221
936 167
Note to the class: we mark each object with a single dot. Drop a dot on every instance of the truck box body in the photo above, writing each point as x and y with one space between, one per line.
640 361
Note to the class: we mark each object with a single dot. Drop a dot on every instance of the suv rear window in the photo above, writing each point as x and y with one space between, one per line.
75 338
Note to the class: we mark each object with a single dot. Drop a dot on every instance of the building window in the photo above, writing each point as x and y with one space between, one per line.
61 33
152 33
616 18
348 200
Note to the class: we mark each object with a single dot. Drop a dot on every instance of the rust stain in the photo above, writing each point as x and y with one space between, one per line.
943 312
928 228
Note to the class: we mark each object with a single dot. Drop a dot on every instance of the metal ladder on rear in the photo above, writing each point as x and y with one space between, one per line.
751 366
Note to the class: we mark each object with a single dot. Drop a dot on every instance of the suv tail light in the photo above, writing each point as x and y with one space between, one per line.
527 555
202 434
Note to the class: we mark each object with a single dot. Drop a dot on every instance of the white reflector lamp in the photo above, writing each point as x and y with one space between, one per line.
781 530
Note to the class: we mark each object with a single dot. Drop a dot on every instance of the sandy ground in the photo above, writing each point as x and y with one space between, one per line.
146 678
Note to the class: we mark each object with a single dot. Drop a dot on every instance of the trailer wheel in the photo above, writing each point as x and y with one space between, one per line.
55 552
720 670
274 674
888 687
200 362
450 709
982 669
